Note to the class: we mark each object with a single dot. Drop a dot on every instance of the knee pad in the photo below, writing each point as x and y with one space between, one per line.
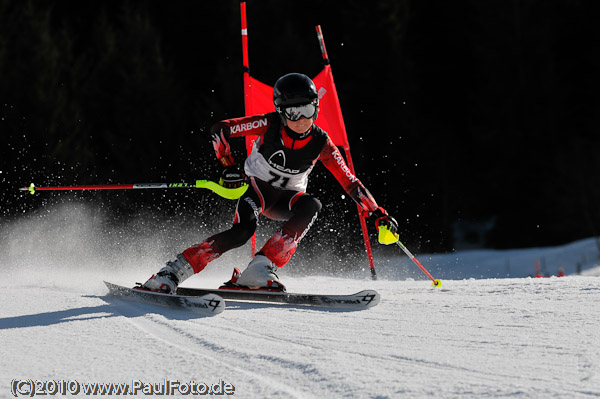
307 203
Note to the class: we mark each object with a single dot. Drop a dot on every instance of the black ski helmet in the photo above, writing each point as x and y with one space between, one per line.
294 89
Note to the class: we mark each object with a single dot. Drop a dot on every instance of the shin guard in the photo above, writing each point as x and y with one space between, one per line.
201 254
280 248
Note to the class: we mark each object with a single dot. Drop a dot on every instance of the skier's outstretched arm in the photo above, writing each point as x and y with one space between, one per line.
333 160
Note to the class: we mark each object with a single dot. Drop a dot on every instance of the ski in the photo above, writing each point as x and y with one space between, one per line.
206 303
361 300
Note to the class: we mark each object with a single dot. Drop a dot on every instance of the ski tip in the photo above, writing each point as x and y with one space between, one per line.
368 298
215 303
208 304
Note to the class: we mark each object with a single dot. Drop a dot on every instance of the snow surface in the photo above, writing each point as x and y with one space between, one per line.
480 335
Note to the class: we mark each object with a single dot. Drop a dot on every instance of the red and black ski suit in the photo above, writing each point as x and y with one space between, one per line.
278 169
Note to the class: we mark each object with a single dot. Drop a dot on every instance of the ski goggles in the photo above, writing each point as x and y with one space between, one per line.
296 112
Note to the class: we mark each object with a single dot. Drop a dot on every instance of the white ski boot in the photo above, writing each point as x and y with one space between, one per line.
170 276
260 273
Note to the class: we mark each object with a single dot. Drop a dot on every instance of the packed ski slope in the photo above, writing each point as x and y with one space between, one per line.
478 336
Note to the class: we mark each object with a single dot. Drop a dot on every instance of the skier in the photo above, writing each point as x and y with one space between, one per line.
277 169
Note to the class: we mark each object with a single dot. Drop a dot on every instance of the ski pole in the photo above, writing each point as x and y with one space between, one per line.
387 237
229 193
436 282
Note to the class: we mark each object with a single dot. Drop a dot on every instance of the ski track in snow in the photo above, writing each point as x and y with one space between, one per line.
204 350
487 338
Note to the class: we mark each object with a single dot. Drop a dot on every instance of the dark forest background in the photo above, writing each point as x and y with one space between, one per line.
474 122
